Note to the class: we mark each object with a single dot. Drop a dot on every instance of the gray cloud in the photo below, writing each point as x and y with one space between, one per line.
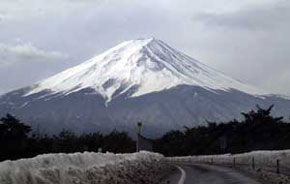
24 64
2 17
14 54
268 16
22 9
251 44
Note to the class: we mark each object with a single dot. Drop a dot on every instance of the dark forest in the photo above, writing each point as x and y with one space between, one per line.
258 130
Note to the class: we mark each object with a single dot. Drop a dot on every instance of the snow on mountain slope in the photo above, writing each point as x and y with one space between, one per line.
145 65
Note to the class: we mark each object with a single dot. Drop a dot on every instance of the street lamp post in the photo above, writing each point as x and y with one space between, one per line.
139 129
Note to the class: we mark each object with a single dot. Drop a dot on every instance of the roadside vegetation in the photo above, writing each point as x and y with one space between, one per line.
258 130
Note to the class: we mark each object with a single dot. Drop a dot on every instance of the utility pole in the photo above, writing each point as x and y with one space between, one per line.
139 129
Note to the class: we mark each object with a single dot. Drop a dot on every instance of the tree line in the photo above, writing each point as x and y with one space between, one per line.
258 130
17 140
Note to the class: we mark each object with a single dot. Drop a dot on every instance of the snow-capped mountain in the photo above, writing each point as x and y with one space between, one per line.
136 64
138 80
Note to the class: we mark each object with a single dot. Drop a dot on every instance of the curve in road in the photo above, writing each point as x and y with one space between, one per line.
183 175
208 174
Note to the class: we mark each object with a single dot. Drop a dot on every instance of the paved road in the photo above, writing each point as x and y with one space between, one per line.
205 174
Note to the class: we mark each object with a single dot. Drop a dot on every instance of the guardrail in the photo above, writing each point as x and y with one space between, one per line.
271 161
278 168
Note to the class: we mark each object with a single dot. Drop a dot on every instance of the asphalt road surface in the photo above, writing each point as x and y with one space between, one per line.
208 174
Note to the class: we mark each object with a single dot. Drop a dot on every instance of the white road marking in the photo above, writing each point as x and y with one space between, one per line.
183 175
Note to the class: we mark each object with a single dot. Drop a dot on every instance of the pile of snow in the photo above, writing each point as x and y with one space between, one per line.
262 159
84 168
139 67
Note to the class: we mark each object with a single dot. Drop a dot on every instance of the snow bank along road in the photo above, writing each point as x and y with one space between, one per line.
208 174
85 168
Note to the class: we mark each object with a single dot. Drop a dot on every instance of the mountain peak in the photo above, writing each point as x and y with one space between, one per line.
144 66
146 41
139 42
133 45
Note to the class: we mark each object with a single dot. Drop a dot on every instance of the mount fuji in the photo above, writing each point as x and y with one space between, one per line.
139 80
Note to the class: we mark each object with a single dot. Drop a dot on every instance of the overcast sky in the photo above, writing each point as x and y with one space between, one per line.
248 40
